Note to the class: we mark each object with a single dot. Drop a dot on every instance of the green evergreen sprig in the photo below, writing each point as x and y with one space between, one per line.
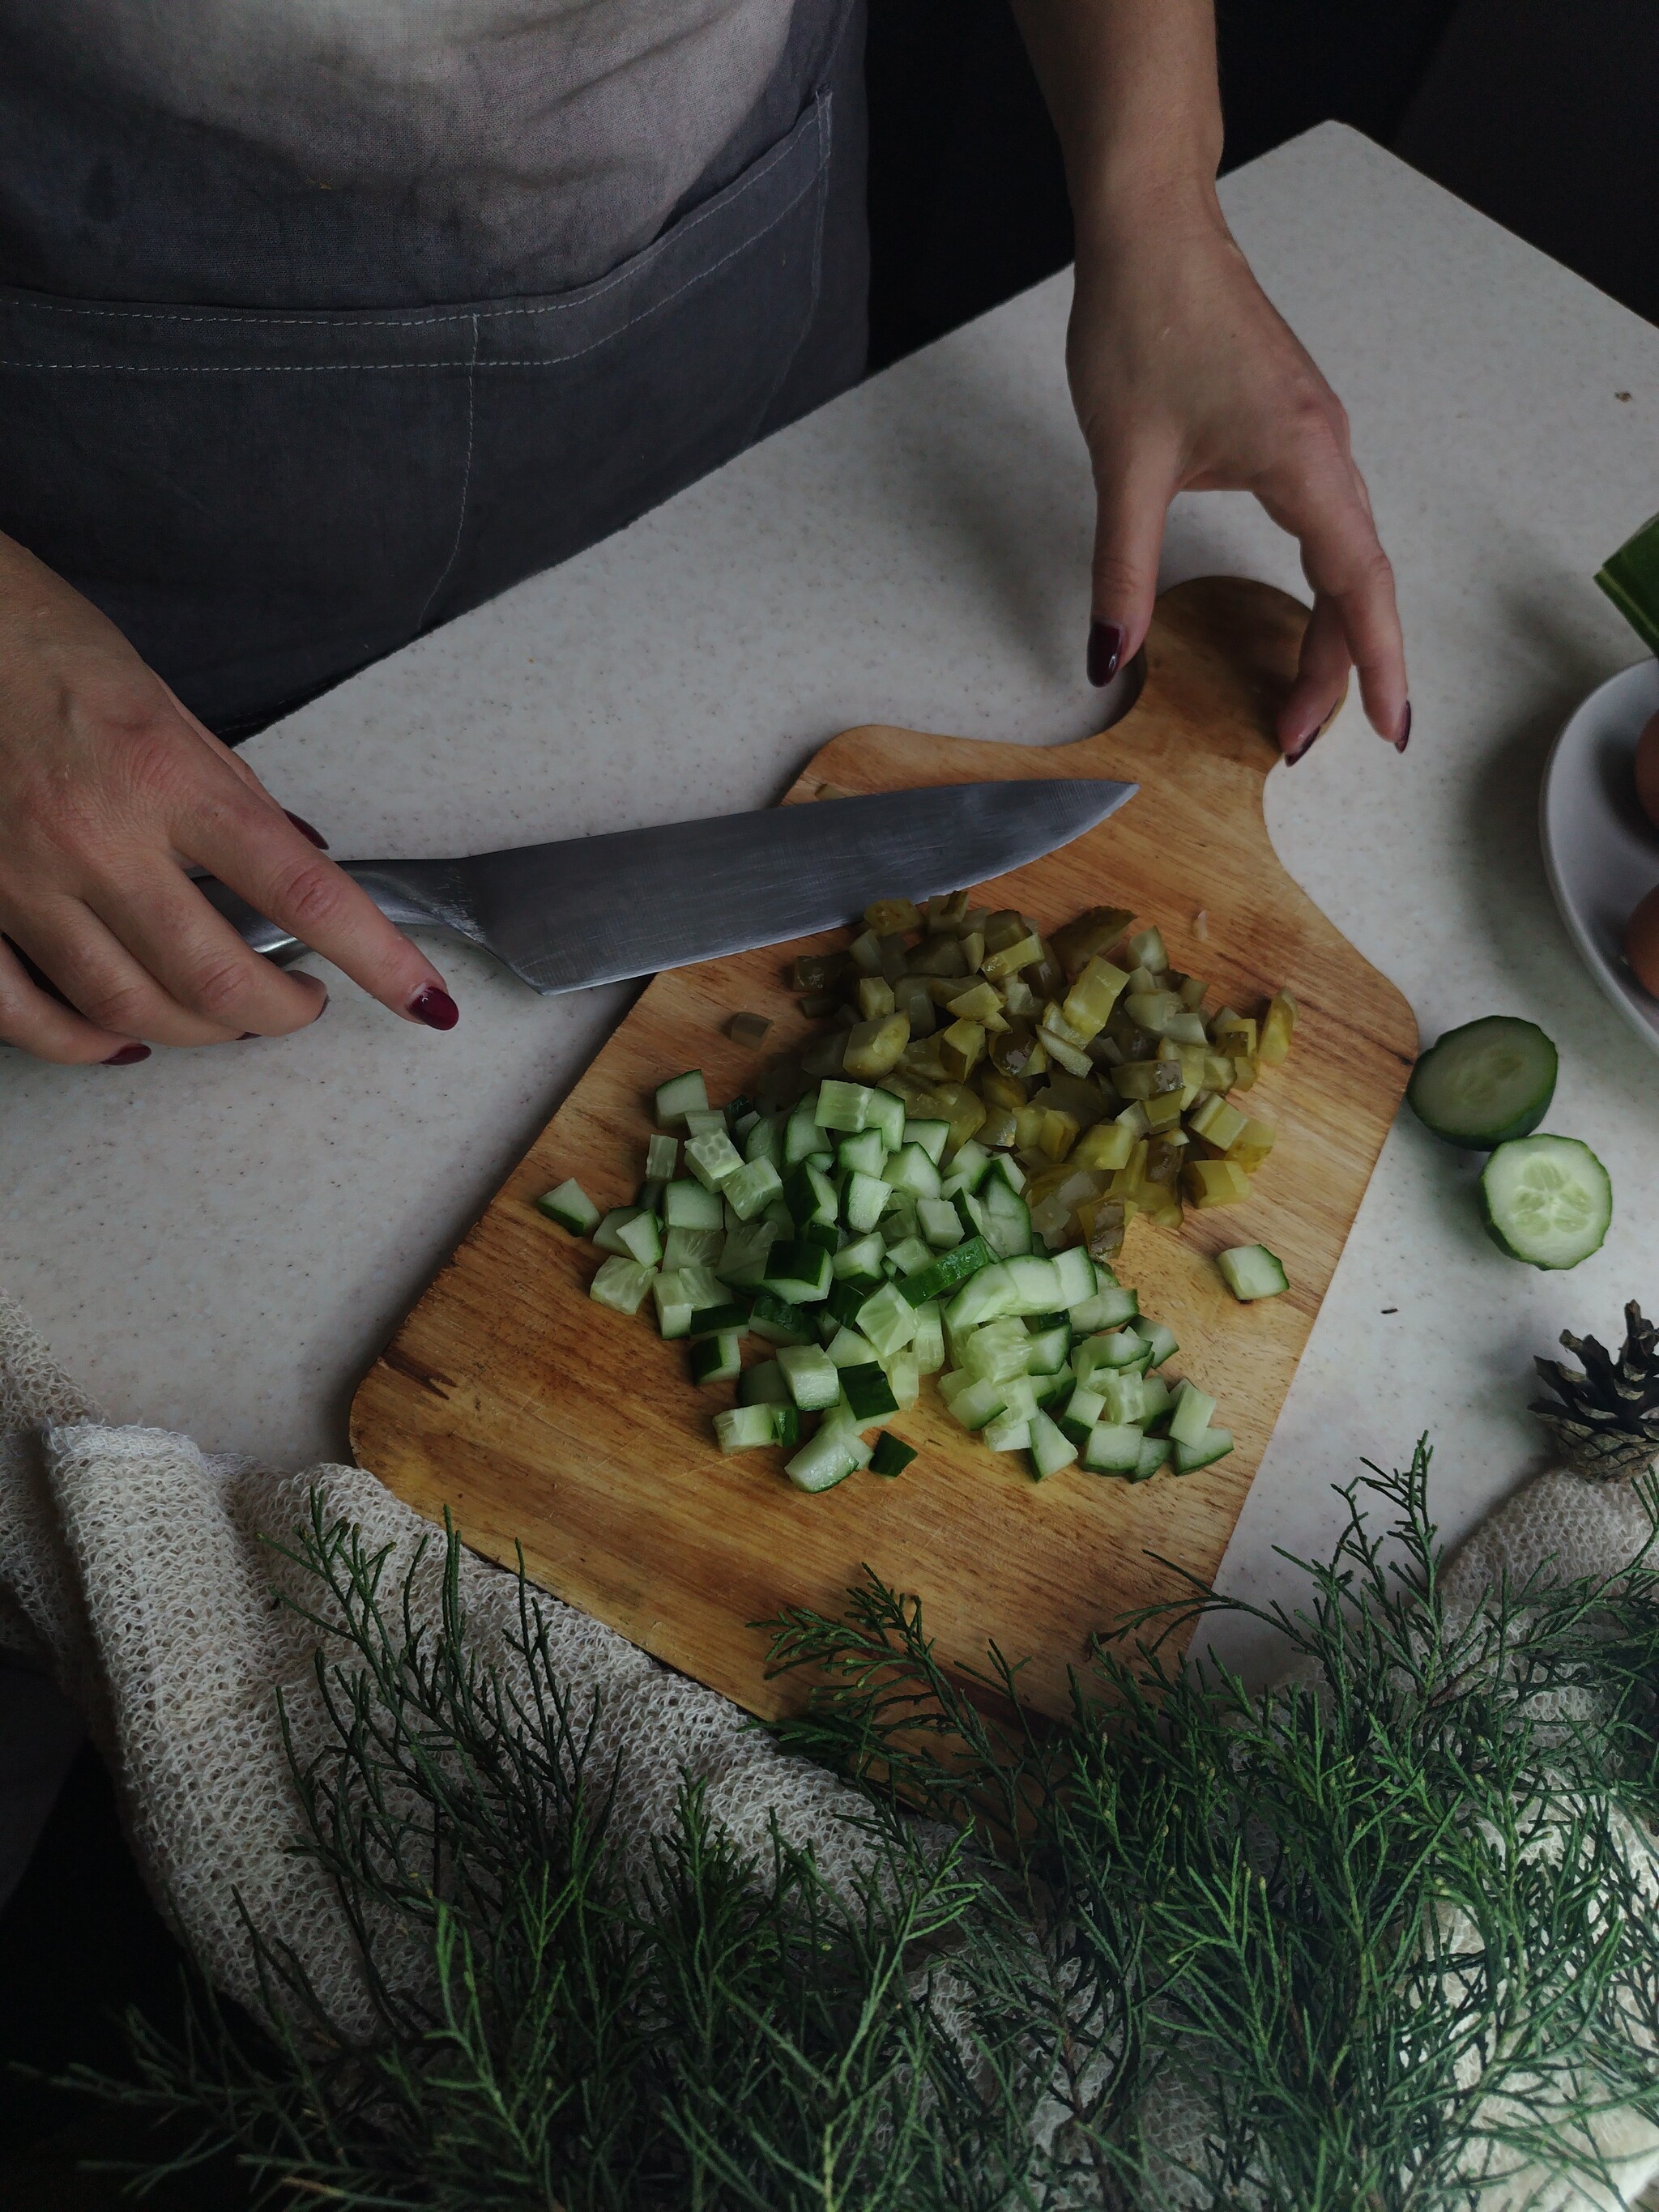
1367 1940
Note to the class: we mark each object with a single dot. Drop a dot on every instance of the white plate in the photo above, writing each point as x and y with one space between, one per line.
1600 849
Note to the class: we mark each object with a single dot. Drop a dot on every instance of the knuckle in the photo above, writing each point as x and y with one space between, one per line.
215 985
308 895
121 1007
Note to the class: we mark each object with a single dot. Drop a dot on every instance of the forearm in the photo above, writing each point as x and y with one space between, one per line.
1132 87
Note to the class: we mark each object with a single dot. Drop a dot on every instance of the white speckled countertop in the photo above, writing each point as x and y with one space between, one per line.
220 1241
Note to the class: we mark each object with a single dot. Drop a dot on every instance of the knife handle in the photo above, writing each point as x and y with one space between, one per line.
414 894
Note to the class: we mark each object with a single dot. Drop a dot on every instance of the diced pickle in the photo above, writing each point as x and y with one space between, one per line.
886 915
1151 1010
1147 950
973 950
865 951
1028 1127
1107 1146
939 956
1024 952
1222 1125
1046 978
1101 1221
1147 1078
1088 1005
1060 1049
961 1047
1187 1028
1019 997
1095 932
895 958
1251 1146
1057 1135
1218 1072
874 1047
1003 928
977 1001
818 971
997 1089
1244 1072
1278 1029
946 911
912 999
1163 1113
1233 1032
1163 1162
1192 990
826 1054
876 998
996 1128
1214 1182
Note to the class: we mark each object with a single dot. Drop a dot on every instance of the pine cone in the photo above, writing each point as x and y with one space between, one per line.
1605 1420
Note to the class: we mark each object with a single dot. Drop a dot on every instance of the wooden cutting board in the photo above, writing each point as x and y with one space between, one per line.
543 1421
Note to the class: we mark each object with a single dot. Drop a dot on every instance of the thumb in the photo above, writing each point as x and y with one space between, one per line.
1133 502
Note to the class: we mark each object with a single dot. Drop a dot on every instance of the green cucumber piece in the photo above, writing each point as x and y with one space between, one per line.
607 1238
1113 1447
744 1428
868 1393
694 1247
813 1377
864 1202
570 1206
845 1298
860 1260
940 1223
785 1426
1485 1084
828 1459
913 1170
976 1403
1051 1450
889 1456
986 1296
1194 1411
1111 1307
729 1318
811 1196
752 1189
1125 1400
778 1322
1154 1454
681 1095
885 1111
927 1345
620 1284
1050 1350
862 1154
932 1136
1213 1444
742 1261
764 1385
844 1106
1161 1340
849 1349
717 1359
765 1141
638 1239
713 1159
687 1205
1547 1201
801 1133
1033 1283
909 1257
952 1269
797 1273
1251 1271
1076 1271
888 1319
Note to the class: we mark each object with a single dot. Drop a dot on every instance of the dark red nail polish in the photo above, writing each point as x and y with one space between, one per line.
436 1008
1404 736
1105 651
246 1034
129 1056
306 830
1303 746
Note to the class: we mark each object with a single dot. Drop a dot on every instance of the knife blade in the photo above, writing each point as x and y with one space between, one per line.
599 909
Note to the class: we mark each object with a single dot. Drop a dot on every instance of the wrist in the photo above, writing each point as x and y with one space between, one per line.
1139 194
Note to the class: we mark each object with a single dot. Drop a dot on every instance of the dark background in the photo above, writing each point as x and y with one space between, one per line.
1537 110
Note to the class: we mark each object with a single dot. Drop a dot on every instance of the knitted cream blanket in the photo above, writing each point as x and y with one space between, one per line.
131 1564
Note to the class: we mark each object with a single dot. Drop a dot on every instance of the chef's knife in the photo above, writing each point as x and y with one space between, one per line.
596 910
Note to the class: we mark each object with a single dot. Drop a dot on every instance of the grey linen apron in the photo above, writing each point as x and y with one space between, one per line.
265 501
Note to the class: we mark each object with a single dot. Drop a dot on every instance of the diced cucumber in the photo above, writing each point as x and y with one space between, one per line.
1547 1201
1051 1450
813 1377
932 1136
1076 1271
1086 1406
1034 1285
904 1372
996 1352
1125 1400
702 1122
864 1202
912 1170
811 1196
928 1343
1161 1340
639 1239
843 1106
1251 1271
648 1197
1113 1447
959 1265
607 1238
729 1317
1485 1083
1118 1348
744 1428
684 1095
662 1158
985 1295
786 1425
620 1284
1194 1411
693 1247
764 1385
778 1321
1009 1431
1154 1454
1005 1168
752 1189
1048 1351
956 1380
999 1215
765 1139
885 1112
909 1257
570 1206
797 1272
1110 1307
889 1456
898 1219
978 1402
940 1223
868 1393
862 1258
1156 1398
801 1132
717 1359
689 1206
1052 1390
849 1349
743 1256
864 1154
888 1319
823 1161
1213 1444
673 1298
828 1459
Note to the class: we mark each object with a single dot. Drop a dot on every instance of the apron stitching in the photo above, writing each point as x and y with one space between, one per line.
600 286
345 367
466 480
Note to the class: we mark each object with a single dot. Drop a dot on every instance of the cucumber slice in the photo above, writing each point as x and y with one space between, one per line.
621 1285
674 1303
728 1318
1161 1340
685 1094
810 1195
830 1458
765 1141
1547 1201
571 1207
979 1402
927 1345
694 1247
909 1257
1034 1284
932 1136
813 1378
1194 1411
1485 1084
1086 1406
844 1107
1125 1400
607 1238
713 1159
984 1296
752 1189
950 1269
940 1223
1154 1454
764 1385
777 1320
687 1205
719 1359
785 1426
1113 1447
862 1154
1010 1431
1049 1450
891 1457
1111 1307
1251 1271
1049 1349
744 1428
742 1261
885 1111
911 1170
1213 1444
860 1260
801 1133
1076 1271
849 1349
868 1393
888 1319
797 1273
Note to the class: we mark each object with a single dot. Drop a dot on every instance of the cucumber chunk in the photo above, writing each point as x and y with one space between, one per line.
1051 1450
1547 1201
1485 1084
1213 1444
868 1393
891 1457
813 1378
1251 1271
952 1269
684 1095
744 1428
571 1207
719 1359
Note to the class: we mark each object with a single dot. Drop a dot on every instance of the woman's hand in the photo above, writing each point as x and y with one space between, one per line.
1187 378
109 789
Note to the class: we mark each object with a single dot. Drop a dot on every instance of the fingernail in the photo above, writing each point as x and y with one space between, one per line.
129 1056
246 1034
1105 651
435 1007
1404 736
306 830
1303 746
